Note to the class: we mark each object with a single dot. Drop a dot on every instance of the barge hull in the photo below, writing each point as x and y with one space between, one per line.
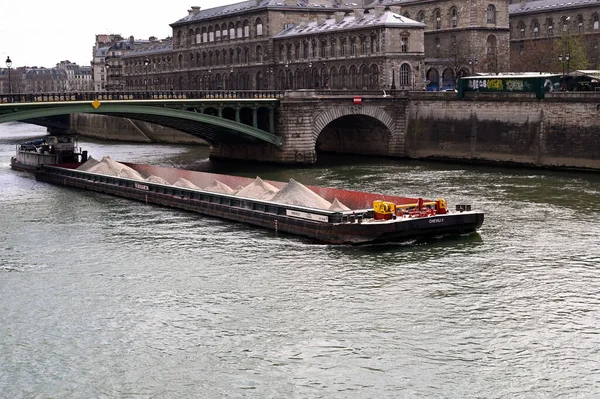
273 216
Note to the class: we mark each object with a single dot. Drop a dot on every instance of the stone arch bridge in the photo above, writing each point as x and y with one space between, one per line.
281 127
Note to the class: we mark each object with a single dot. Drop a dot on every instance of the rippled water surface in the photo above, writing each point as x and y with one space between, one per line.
102 297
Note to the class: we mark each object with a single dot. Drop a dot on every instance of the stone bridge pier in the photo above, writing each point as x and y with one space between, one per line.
368 123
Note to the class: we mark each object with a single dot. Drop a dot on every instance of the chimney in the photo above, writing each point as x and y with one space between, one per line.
396 9
195 10
379 10
359 13
339 16
321 18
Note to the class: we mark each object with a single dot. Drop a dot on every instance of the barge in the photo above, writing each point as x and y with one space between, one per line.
354 218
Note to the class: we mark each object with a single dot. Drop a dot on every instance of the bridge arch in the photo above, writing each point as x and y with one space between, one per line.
355 129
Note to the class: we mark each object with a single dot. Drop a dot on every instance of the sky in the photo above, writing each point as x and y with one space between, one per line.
42 33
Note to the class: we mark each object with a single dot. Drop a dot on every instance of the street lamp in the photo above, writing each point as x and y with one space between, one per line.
393 76
107 66
146 63
287 86
562 62
8 65
472 64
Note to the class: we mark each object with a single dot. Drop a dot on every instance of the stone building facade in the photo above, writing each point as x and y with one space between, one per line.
543 32
270 44
461 38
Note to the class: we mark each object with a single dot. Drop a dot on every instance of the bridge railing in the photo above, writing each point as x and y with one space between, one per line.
140 95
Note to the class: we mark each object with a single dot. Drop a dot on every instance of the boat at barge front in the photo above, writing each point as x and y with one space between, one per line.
51 150
366 217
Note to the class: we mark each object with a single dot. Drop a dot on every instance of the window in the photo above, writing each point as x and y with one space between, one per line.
288 51
323 49
579 24
363 45
313 49
231 30
343 47
374 48
352 46
239 31
549 26
491 14
437 19
259 27
404 75
281 51
246 29
305 50
521 28
565 25
491 45
404 41
224 31
421 17
204 35
536 28
595 19
211 35
332 48
453 17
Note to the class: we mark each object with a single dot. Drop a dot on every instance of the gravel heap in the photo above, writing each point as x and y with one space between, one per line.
218 187
336 205
258 189
113 168
295 193
156 179
181 182
91 162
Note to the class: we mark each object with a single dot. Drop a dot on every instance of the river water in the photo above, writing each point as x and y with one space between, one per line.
103 297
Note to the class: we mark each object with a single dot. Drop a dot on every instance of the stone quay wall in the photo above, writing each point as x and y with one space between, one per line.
560 131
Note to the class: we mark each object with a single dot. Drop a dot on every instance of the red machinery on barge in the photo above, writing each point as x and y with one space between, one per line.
365 218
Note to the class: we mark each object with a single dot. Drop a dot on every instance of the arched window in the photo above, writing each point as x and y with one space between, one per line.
297 50
332 49
259 27
536 28
204 35
190 37
595 22
198 35
374 44
580 23
549 27
342 47
453 17
565 24
211 34
224 31
404 44
352 46
323 49
239 33
246 29
231 30
521 29
491 45
281 52
259 54
421 16
313 45
363 45
437 18
217 33
246 55
404 75
305 49
491 14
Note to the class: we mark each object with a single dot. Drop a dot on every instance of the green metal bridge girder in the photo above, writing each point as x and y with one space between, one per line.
169 113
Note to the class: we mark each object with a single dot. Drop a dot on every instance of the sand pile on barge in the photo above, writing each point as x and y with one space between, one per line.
336 205
112 168
218 187
157 179
258 189
91 162
295 193
185 183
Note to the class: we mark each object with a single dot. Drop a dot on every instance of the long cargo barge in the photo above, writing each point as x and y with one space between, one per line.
365 217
